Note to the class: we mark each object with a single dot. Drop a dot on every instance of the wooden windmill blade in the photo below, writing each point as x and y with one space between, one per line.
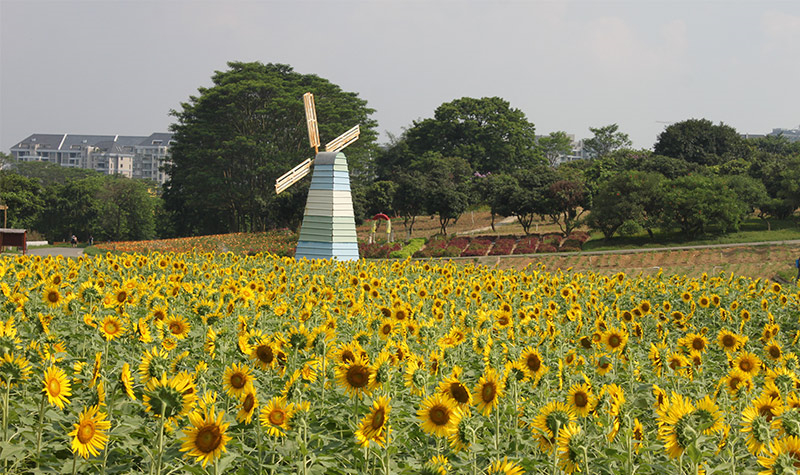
343 140
311 121
293 176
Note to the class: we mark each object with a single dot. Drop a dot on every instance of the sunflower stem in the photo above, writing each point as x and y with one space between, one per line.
74 463
555 448
5 411
497 431
160 439
260 448
39 429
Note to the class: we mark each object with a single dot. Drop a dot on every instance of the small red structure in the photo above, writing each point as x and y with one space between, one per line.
14 237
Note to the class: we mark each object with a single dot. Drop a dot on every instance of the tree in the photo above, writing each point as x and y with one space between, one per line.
527 196
606 140
236 137
410 197
631 196
695 203
127 210
567 201
488 133
71 208
448 182
24 198
700 141
491 190
554 146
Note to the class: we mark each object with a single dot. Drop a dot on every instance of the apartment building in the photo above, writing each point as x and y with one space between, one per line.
126 155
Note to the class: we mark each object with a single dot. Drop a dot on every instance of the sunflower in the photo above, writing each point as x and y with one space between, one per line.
14 369
783 456
126 379
381 371
694 342
504 467
154 363
581 400
570 452
56 386
416 378
51 296
735 381
729 341
534 364
455 389
205 437
614 339
178 326
675 425
459 439
354 377
170 397
89 435
439 415
709 416
748 363
554 417
263 354
488 391
773 350
757 429
374 426
237 380
276 415
767 406
112 327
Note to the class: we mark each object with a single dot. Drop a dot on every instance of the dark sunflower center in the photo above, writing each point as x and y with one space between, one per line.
86 432
745 365
348 356
208 439
728 341
614 341
533 362
52 297
378 418
459 393
488 392
439 415
698 344
265 354
248 403
357 376
277 417
774 352
238 380
581 399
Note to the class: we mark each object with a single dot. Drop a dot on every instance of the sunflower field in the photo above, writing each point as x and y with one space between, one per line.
218 363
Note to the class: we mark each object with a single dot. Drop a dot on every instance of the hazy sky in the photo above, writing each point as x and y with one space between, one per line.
118 67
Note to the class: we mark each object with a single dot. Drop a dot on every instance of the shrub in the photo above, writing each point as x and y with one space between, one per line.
579 236
477 247
544 247
503 246
571 243
527 245
377 250
409 249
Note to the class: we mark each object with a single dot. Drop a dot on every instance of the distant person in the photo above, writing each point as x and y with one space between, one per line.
91 240
797 264
74 240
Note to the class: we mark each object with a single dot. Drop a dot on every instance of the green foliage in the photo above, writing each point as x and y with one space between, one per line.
627 200
555 145
235 138
606 140
409 249
700 141
488 133
526 196
23 196
694 203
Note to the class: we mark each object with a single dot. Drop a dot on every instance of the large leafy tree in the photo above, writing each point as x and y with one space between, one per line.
700 141
24 198
488 133
236 137
629 197
695 203
606 140
554 146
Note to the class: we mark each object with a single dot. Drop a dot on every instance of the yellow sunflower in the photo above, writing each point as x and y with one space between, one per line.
127 381
354 377
170 397
783 456
14 369
748 363
505 467
439 415
205 437
51 296
675 425
455 389
554 417
757 430
534 364
374 426
615 339
248 405
581 399
276 415
570 451
56 386
178 326
237 380
488 391
729 341
89 435
112 327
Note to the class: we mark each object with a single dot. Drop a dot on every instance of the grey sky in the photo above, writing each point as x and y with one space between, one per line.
118 67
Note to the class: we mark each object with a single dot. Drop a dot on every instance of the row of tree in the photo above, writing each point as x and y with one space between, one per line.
233 140
58 202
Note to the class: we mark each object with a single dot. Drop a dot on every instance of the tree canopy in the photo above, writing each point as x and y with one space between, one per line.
236 137
700 141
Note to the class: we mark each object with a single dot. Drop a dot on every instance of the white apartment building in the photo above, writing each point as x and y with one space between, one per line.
130 156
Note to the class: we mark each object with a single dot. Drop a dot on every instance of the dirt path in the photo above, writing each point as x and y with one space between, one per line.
56 251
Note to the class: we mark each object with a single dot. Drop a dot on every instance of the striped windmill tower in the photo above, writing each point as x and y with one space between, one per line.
329 227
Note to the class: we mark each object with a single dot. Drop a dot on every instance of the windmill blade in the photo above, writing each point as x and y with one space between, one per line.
293 176
311 121
343 140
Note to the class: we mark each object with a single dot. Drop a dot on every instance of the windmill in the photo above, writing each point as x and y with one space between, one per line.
329 228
